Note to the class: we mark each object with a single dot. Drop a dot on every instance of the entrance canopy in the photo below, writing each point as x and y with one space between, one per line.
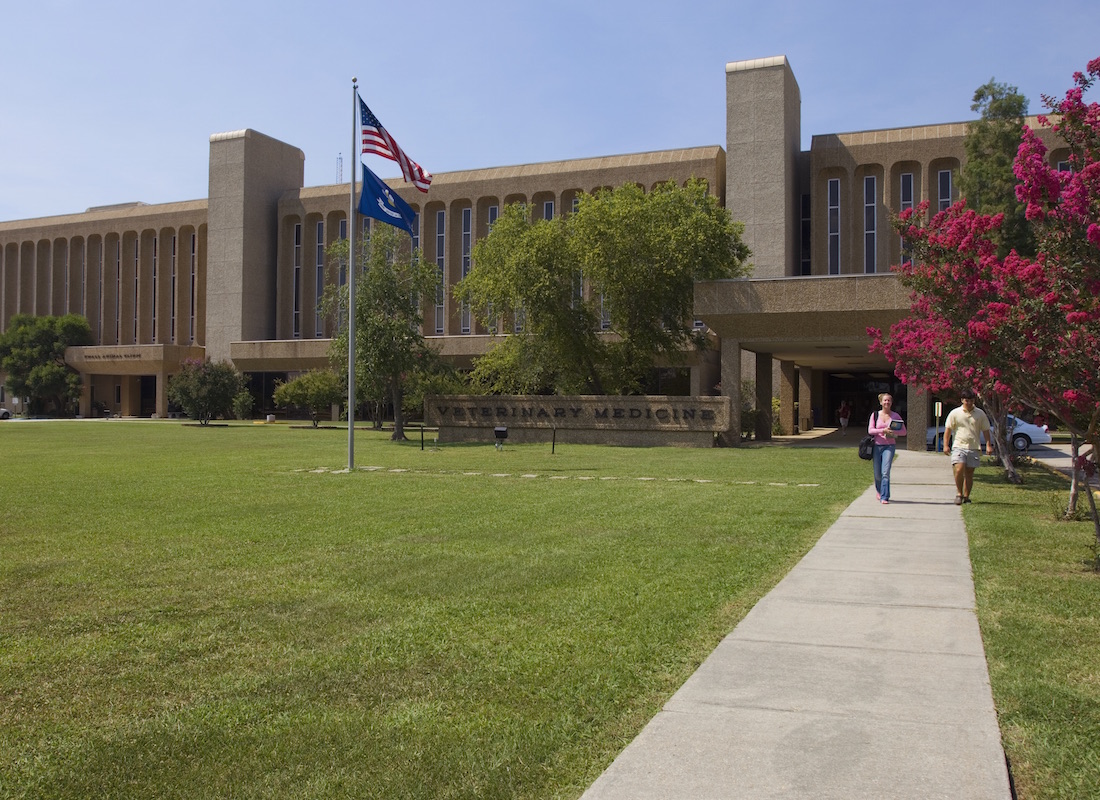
812 324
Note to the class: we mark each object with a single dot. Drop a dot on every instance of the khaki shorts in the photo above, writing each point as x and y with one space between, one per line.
968 458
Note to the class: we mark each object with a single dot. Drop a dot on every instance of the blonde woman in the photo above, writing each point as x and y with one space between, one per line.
885 425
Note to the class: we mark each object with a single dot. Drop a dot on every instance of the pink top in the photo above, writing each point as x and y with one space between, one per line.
879 423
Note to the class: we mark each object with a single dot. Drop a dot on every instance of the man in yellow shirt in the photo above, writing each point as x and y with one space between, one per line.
962 439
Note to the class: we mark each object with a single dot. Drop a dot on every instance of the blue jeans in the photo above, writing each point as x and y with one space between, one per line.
882 459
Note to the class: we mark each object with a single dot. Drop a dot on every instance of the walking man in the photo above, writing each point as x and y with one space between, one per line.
962 437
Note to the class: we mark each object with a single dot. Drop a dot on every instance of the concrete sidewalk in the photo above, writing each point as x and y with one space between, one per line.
861 675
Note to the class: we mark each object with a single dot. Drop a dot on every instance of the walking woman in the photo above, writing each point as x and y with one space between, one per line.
885 425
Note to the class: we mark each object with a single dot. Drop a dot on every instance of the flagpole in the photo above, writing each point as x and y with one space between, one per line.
352 220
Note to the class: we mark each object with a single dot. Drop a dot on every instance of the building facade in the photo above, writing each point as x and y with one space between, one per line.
239 276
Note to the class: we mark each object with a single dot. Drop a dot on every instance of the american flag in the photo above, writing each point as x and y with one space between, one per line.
378 141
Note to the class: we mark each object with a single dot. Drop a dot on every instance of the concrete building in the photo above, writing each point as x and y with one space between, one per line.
238 276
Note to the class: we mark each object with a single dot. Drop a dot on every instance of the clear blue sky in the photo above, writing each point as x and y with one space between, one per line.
110 101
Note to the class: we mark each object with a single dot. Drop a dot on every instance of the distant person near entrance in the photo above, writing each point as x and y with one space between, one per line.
843 414
962 440
885 425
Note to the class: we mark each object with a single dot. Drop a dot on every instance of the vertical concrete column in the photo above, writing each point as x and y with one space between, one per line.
162 394
763 397
84 407
763 144
787 418
131 396
146 310
249 172
695 380
127 301
805 399
917 418
731 388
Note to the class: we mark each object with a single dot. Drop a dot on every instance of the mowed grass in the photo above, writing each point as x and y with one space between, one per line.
223 612
1039 609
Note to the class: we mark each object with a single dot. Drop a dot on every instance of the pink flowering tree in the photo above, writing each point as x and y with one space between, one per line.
1019 329
953 335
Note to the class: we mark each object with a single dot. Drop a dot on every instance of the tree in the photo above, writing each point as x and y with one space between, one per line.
988 182
988 185
391 280
1028 327
205 389
316 390
32 355
638 253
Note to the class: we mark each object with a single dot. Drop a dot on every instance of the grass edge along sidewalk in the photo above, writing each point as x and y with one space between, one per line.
1038 605
192 611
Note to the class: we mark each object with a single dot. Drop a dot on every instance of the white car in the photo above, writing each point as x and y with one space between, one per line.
5 414
1021 434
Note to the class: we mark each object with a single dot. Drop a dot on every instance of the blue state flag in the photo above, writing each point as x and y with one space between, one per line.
380 202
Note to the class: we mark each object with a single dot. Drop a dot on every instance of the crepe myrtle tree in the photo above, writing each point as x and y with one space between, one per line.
315 391
1028 328
205 389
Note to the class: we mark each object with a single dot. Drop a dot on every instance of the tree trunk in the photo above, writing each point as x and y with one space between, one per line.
398 415
997 412
1074 485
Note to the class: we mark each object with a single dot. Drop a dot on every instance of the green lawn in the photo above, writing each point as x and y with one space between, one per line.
227 612
1039 608
224 612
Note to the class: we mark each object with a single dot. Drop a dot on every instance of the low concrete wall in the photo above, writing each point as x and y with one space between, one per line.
584 419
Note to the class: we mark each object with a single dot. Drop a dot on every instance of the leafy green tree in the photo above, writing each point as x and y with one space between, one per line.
242 404
32 355
988 181
432 375
316 390
205 389
390 282
625 262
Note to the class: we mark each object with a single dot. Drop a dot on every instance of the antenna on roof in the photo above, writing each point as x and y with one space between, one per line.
339 167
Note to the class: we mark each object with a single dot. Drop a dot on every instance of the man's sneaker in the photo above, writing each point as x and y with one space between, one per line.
958 499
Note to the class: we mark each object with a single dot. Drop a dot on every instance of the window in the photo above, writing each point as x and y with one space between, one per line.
870 213
118 291
805 267
155 242
467 244
834 226
84 278
415 297
944 201
548 209
320 286
906 202
440 265
136 299
297 301
341 273
175 291
194 256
